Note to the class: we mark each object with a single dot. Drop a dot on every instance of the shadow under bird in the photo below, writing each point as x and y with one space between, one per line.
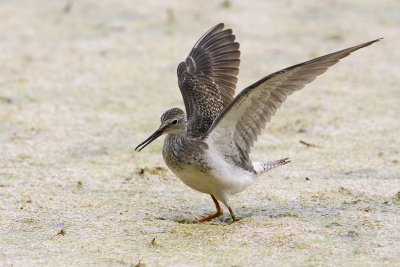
208 147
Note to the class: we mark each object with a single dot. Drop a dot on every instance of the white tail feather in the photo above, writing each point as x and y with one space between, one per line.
261 167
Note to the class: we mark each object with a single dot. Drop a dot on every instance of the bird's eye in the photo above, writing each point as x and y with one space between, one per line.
174 121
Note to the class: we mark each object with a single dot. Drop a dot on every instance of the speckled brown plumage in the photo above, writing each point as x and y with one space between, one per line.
207 78
209 147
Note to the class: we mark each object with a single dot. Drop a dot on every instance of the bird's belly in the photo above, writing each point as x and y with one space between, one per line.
196 179
221 179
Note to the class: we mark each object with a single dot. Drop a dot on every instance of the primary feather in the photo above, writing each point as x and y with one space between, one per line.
236 129
207 78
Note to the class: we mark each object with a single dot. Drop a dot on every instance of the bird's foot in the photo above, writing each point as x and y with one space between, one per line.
208 218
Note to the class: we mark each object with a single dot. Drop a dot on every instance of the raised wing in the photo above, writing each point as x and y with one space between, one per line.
236 129
207 78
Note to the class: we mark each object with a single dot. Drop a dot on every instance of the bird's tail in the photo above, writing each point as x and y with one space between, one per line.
261 167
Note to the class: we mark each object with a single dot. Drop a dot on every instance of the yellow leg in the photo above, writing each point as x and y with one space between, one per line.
215 215
232 215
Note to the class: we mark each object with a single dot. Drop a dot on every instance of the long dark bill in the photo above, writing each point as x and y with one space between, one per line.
152 137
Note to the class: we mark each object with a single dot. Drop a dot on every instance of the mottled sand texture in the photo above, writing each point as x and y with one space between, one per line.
83 82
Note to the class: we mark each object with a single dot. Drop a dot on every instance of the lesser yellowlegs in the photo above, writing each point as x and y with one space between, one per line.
208 147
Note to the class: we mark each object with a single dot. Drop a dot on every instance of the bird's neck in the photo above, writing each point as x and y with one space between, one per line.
176 136
173 144
174 140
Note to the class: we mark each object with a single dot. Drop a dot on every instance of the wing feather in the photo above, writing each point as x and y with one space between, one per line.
207 78
242 121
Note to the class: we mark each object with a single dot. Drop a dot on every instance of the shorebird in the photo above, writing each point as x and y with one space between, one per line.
208 147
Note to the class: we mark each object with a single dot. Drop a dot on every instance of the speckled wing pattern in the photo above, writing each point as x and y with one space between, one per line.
207 79
237 128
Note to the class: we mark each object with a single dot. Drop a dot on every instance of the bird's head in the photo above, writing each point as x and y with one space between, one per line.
173 121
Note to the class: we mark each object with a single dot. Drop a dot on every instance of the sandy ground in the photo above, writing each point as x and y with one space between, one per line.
82 83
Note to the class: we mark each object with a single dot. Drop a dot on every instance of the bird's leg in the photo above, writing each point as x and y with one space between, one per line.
215 215
232 215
